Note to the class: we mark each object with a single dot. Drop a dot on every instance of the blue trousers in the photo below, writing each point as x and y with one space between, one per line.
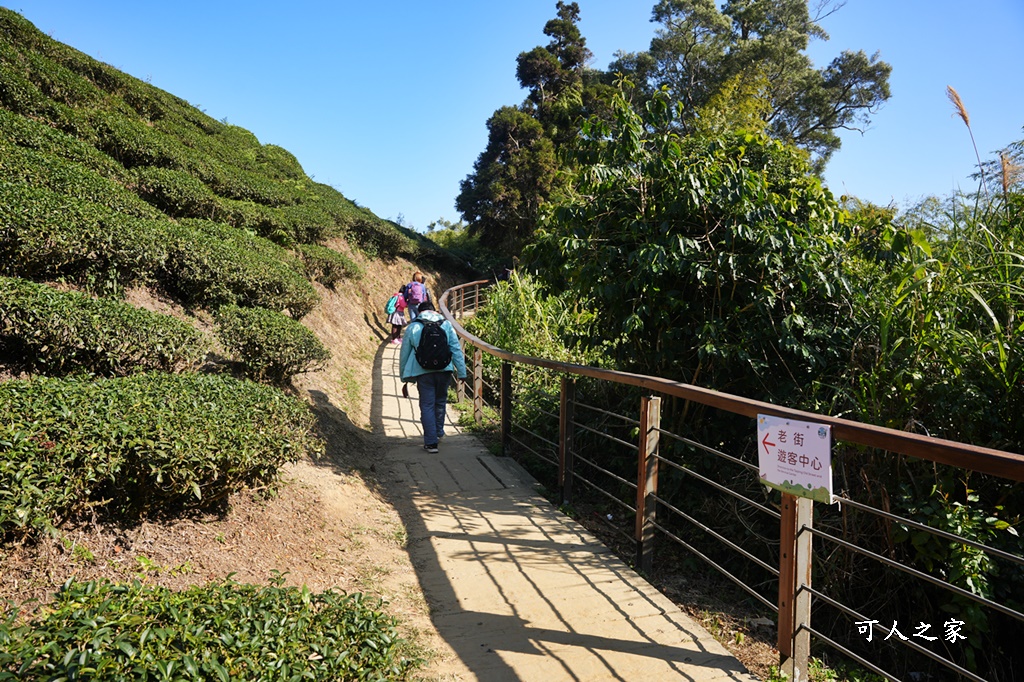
433 390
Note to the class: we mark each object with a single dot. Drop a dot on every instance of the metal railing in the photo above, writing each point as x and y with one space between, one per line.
772 561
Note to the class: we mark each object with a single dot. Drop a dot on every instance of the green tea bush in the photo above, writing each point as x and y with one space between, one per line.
145 443
196 261
240 139
62 332
311 222
279 163
247 215
331 201
44 234
17 30
132 143
249 186
378 238
176 193
58 105
245 240
217 265
190 115
17 92
149 102
43 170
221 631
31 134
326 265
271 346
22 96
60 84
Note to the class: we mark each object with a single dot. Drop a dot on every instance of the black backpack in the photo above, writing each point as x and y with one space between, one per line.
433 352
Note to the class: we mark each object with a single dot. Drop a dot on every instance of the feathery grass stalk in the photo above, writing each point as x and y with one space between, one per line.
961 111
1010 172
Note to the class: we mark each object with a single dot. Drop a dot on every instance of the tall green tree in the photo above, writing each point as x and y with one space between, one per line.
702 48
554 74
517 172
511 179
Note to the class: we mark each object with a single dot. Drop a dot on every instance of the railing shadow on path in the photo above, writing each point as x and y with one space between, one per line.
515 588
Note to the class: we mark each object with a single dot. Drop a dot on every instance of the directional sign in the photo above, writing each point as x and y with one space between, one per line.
795 457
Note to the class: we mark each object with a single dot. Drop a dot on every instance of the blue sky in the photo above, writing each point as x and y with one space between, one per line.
388 101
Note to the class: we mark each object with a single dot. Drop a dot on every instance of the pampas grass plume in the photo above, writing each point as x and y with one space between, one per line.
958 104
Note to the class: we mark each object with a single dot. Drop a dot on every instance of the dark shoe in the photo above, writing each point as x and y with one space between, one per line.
431 448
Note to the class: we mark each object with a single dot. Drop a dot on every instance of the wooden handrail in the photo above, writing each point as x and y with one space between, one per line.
985 460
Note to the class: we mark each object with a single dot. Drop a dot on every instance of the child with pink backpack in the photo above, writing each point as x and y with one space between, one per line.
395 309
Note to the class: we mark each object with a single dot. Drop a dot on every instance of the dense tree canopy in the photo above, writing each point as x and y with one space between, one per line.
761 43
713 259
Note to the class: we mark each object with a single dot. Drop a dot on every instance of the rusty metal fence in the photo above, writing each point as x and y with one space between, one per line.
768 549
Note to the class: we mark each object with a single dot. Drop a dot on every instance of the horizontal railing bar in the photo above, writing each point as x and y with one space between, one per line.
719 486
530 406
918 574
538 392
985 460
610 414
632 446
493 420
727 574
721 538
549 460
935 531
579 458
597 488
536 435
708 449
888 632
859 659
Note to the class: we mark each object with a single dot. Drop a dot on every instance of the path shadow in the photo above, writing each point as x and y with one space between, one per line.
380 330
429 489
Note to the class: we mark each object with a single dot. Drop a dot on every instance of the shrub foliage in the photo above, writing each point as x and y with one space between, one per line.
270 346
145 443
221 631
56 332
200 262
326 265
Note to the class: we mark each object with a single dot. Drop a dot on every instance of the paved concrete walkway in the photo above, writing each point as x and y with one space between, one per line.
519 590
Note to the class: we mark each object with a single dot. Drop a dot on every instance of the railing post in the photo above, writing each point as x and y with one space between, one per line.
794 575
647 481
506 408
478 386
566 415
460 386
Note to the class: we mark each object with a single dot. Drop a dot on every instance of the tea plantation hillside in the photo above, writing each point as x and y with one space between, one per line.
109 187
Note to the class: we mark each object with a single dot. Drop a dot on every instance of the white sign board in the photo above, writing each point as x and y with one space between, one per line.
795 457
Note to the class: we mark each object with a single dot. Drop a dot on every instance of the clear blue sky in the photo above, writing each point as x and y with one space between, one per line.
388 101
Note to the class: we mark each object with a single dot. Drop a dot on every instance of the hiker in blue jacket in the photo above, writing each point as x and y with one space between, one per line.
432 341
